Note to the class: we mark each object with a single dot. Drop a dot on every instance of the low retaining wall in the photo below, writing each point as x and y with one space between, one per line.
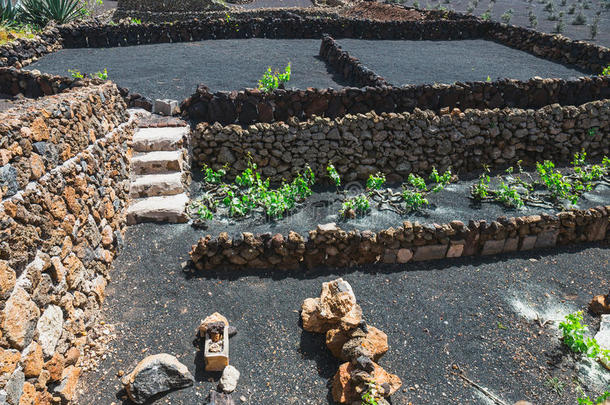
58 237
328 245
23 51
350 67
398 144
248 106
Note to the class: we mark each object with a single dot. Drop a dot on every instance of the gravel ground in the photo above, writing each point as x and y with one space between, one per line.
476 314
520 15
416 62
175 70
275 4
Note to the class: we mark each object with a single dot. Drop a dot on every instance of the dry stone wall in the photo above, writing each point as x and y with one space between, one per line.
23 51
399 144
36 137
248 106
348 66
329 245
59 234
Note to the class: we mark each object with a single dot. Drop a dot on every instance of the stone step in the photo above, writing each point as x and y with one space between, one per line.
157 139
157 162
158 209
151 185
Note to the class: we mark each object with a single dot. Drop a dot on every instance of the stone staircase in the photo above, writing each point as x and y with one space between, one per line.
159 172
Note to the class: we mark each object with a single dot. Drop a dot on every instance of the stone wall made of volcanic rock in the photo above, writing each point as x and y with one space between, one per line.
38 135
290 23
58 238
249 106
23 51
33 84
329 245
399 144
348 66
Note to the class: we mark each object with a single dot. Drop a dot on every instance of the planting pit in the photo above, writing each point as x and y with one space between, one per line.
224 64
452 203
419 62
436 315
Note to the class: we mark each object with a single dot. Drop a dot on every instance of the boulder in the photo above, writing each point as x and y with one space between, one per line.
374 341
154 375
346 389
600 304
228 381
336 306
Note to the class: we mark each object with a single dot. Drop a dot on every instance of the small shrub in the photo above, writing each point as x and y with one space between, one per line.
135 21
414 200
375 182
549 7
486 16
481 190
533 20
441 181
354 206
593 28
560 26
371 395
273 80
597 401
580 19
102 75
506 16
572 9
334 176
76 74
213 177
606 71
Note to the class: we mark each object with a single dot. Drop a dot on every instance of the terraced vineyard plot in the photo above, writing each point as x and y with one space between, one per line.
227 64
418 62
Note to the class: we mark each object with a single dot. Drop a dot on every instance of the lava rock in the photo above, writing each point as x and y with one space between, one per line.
156 374
600 304
364 363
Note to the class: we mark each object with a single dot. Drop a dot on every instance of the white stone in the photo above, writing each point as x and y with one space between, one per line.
157 162
158 209
166 107
229 379
156 184
49 329
158 139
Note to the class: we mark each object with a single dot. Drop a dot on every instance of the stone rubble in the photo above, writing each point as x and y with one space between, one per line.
349 338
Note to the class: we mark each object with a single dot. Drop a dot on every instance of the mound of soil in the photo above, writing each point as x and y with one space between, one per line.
382 12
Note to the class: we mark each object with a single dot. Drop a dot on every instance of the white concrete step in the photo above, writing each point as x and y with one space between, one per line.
157 162
156 139
158 209
150 185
